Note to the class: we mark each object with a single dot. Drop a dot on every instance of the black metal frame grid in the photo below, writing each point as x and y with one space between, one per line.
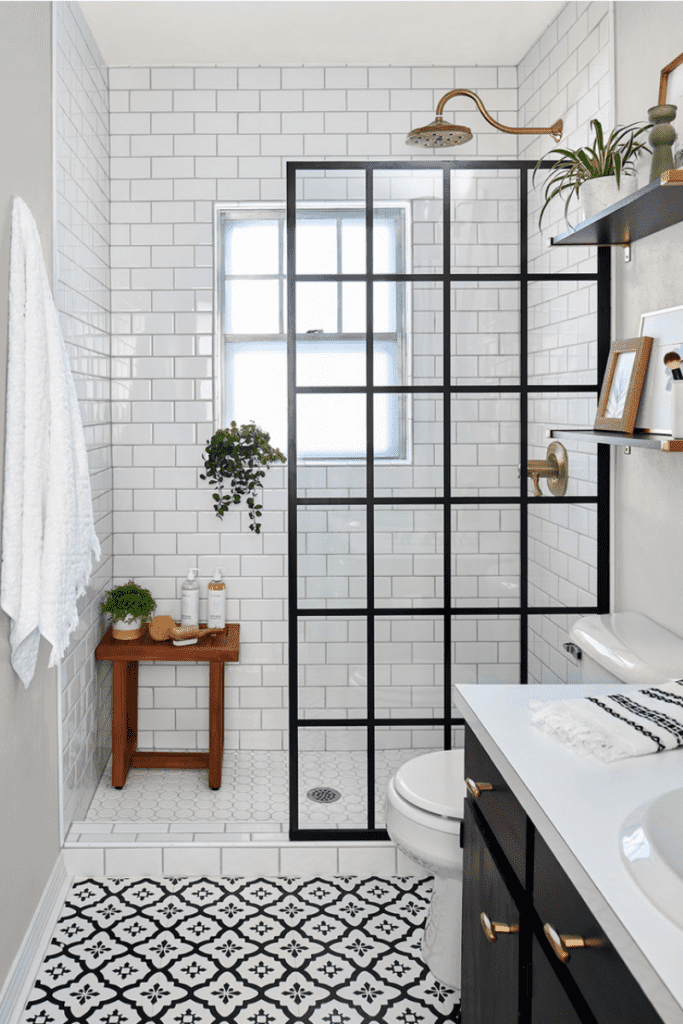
370 721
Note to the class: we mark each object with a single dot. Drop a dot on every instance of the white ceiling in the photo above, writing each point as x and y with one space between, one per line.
275 32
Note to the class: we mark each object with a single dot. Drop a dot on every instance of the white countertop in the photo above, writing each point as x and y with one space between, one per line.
578 805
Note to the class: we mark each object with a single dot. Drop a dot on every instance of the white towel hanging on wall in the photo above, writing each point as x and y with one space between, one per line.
48 531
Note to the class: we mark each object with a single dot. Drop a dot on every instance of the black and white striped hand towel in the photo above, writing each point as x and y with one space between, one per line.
618 724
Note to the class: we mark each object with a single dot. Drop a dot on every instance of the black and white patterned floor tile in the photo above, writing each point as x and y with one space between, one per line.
341 950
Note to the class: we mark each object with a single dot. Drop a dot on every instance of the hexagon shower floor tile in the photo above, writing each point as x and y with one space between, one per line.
254 791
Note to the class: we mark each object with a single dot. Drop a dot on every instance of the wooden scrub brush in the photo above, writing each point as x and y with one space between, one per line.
163 627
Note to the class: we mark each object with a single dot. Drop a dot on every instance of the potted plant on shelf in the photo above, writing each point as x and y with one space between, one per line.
599 174
234 460
129 606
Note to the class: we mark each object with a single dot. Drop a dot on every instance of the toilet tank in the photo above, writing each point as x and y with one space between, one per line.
627 647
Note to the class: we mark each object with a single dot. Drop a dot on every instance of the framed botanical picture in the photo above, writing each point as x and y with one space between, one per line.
665 327
622 385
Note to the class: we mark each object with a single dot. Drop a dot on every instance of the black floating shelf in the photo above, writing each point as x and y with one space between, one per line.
656 206
638 439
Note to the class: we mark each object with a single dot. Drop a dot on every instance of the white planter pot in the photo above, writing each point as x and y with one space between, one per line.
127 629
597 194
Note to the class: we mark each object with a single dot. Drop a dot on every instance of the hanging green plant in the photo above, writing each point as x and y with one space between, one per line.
234 460
128 599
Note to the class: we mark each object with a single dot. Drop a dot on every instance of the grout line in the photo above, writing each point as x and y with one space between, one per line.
256 843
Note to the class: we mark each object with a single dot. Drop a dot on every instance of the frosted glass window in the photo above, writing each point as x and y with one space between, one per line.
385 247
316 246
353 308
353 245
330 364
384 307
331 430
252 307
316 307
342 364
251 247
260 367
331 325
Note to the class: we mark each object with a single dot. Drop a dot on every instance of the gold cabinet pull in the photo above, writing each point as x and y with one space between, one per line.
477 788
494 928
561 944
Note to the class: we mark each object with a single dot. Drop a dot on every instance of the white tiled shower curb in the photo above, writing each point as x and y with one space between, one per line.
237 859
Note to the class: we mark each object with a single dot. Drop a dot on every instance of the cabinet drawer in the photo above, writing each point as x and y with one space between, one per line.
608 987
498 806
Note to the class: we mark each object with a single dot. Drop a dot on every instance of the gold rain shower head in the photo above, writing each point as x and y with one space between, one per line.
441 133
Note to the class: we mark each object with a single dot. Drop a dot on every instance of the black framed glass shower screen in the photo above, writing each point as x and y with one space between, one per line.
432 339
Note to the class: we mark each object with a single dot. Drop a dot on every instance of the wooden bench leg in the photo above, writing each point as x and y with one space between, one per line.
216 722
124 722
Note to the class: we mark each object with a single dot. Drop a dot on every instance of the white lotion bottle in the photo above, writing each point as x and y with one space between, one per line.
189 603
216 601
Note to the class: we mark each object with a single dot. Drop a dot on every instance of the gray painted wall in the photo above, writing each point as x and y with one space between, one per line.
648 484
29 831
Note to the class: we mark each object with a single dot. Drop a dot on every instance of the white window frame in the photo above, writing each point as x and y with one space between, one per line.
265 210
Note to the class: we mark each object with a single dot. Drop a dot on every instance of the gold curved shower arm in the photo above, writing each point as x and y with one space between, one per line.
555 130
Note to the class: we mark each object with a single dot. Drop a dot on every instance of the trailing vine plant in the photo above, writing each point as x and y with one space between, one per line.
234 460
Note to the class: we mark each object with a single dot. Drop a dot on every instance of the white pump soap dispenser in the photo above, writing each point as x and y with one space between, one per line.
216 595
189 604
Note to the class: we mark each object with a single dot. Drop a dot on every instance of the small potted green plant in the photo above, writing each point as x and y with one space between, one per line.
599 174
129 606
236 460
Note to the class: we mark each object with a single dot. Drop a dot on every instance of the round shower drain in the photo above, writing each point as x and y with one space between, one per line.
323 794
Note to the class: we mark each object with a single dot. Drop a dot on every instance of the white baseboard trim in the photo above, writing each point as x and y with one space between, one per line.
27 962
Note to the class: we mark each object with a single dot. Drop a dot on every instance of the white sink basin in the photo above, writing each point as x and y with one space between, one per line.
652 848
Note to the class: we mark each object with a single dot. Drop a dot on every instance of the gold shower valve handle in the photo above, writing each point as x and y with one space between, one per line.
561 944
492 929
534 469
555 469
477 788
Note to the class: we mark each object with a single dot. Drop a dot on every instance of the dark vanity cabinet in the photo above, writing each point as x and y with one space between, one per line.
532 951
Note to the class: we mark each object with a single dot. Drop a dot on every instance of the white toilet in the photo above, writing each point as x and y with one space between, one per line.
424 812
625 647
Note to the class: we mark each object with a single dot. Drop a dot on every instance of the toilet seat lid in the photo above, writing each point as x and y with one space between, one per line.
434 782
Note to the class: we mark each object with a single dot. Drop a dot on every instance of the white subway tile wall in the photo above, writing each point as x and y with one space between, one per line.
182 141
565 74
82 298
182 138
